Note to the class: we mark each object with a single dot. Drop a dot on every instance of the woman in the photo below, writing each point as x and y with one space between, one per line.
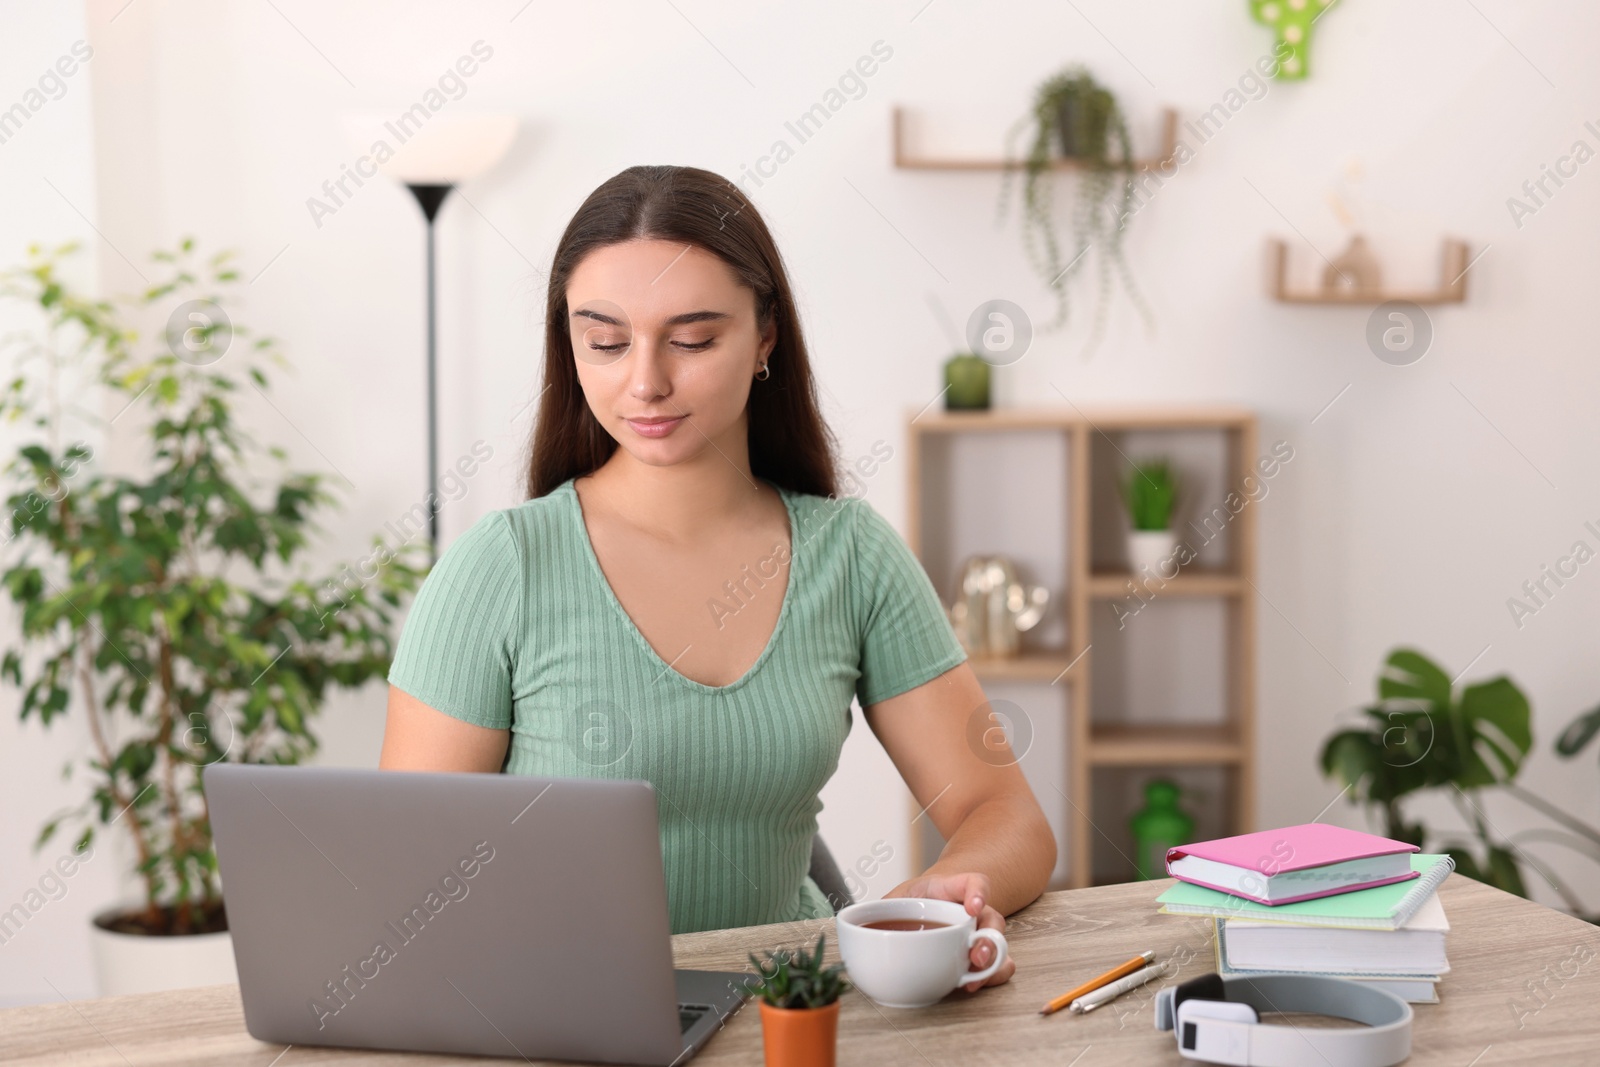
685 599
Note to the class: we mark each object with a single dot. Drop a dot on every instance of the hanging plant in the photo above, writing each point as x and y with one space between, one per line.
1075 117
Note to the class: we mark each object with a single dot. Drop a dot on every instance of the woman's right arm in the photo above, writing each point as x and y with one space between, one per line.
419 738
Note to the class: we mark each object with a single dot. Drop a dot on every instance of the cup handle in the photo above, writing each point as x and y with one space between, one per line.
1000 953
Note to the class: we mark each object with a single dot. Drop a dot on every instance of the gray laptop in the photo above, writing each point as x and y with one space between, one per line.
489 914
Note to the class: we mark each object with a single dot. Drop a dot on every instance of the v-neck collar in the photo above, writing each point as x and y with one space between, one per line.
576 509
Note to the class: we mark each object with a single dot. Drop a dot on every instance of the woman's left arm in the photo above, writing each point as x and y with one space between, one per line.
999 848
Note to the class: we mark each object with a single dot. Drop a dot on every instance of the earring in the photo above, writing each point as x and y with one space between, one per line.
763 374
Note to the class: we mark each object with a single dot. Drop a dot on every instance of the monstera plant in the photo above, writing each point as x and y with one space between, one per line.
163 601
1425 734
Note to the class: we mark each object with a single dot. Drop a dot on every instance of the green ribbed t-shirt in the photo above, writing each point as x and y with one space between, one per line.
517 628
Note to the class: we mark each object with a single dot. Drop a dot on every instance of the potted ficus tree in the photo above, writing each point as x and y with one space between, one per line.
167 609
1150 491
1075 118
799 1006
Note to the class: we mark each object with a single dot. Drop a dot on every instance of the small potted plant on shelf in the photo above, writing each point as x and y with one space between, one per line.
1149 491
1075 117
966 379
799 1006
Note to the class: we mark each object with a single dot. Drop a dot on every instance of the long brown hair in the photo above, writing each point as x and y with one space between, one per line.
789 443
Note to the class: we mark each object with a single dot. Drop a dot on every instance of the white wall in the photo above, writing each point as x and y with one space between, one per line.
47 184
1416 504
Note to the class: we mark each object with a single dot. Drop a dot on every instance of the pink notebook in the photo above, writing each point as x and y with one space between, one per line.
1295 863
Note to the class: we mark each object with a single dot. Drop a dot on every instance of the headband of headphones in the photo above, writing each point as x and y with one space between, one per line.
1217 1020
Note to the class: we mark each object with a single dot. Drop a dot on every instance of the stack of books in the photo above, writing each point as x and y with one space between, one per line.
1319 899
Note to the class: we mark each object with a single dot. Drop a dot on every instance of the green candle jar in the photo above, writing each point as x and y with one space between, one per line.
966 379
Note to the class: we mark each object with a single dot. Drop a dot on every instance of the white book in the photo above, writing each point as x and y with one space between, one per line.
1417 991
1416 988
1416 948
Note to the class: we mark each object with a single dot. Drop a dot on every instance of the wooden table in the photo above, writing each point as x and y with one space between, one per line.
1524 987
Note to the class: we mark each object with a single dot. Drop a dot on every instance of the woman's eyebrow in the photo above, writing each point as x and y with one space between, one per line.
676 320
697 316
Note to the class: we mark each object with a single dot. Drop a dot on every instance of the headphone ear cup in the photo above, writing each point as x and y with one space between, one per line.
1222 1010
1202 987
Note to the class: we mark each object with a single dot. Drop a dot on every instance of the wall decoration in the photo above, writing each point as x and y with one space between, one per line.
1356 269
1292 19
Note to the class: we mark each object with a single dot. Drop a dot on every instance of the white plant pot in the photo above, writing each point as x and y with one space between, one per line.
1152 548
136 963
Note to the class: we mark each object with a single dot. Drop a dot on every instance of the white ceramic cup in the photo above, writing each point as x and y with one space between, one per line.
912 968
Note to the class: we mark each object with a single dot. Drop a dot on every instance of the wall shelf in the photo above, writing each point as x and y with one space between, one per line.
1453 261
941 529
907 161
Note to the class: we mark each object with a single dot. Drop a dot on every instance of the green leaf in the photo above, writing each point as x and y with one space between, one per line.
796 978
1467 864
1150 490
1504 871
1493 733
1350 756
1579 732
1409 675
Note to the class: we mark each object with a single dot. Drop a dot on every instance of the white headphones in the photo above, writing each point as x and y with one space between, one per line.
1217 1020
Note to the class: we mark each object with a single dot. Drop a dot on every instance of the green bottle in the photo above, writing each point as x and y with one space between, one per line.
1160 825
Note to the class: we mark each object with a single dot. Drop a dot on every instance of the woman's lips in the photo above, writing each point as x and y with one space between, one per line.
655 427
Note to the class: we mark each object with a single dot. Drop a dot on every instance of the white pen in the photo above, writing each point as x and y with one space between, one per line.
1090 1001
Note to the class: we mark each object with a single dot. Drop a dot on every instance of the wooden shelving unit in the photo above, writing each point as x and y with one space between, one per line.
1453 261
1094 743
1108 585
906 160
1125 746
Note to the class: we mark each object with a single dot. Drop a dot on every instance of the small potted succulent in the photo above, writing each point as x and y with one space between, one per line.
799 1006
1150 490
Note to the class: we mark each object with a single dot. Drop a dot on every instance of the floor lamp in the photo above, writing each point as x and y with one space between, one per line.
436 157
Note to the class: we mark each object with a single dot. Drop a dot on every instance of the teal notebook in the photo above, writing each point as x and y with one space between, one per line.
1382 907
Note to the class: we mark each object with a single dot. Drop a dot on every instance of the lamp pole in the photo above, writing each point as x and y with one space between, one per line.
431 198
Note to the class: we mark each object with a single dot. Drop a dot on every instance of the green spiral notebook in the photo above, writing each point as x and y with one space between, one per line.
1382 907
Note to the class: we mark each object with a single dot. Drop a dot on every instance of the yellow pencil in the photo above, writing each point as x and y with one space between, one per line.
1095 983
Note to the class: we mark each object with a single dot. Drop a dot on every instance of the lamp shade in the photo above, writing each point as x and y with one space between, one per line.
442 150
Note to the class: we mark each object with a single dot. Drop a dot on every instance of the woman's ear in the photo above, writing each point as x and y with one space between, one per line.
769 339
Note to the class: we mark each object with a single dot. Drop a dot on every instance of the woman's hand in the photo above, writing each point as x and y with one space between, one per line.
972 890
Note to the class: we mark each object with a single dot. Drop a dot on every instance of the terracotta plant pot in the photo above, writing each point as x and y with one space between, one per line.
800 1037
